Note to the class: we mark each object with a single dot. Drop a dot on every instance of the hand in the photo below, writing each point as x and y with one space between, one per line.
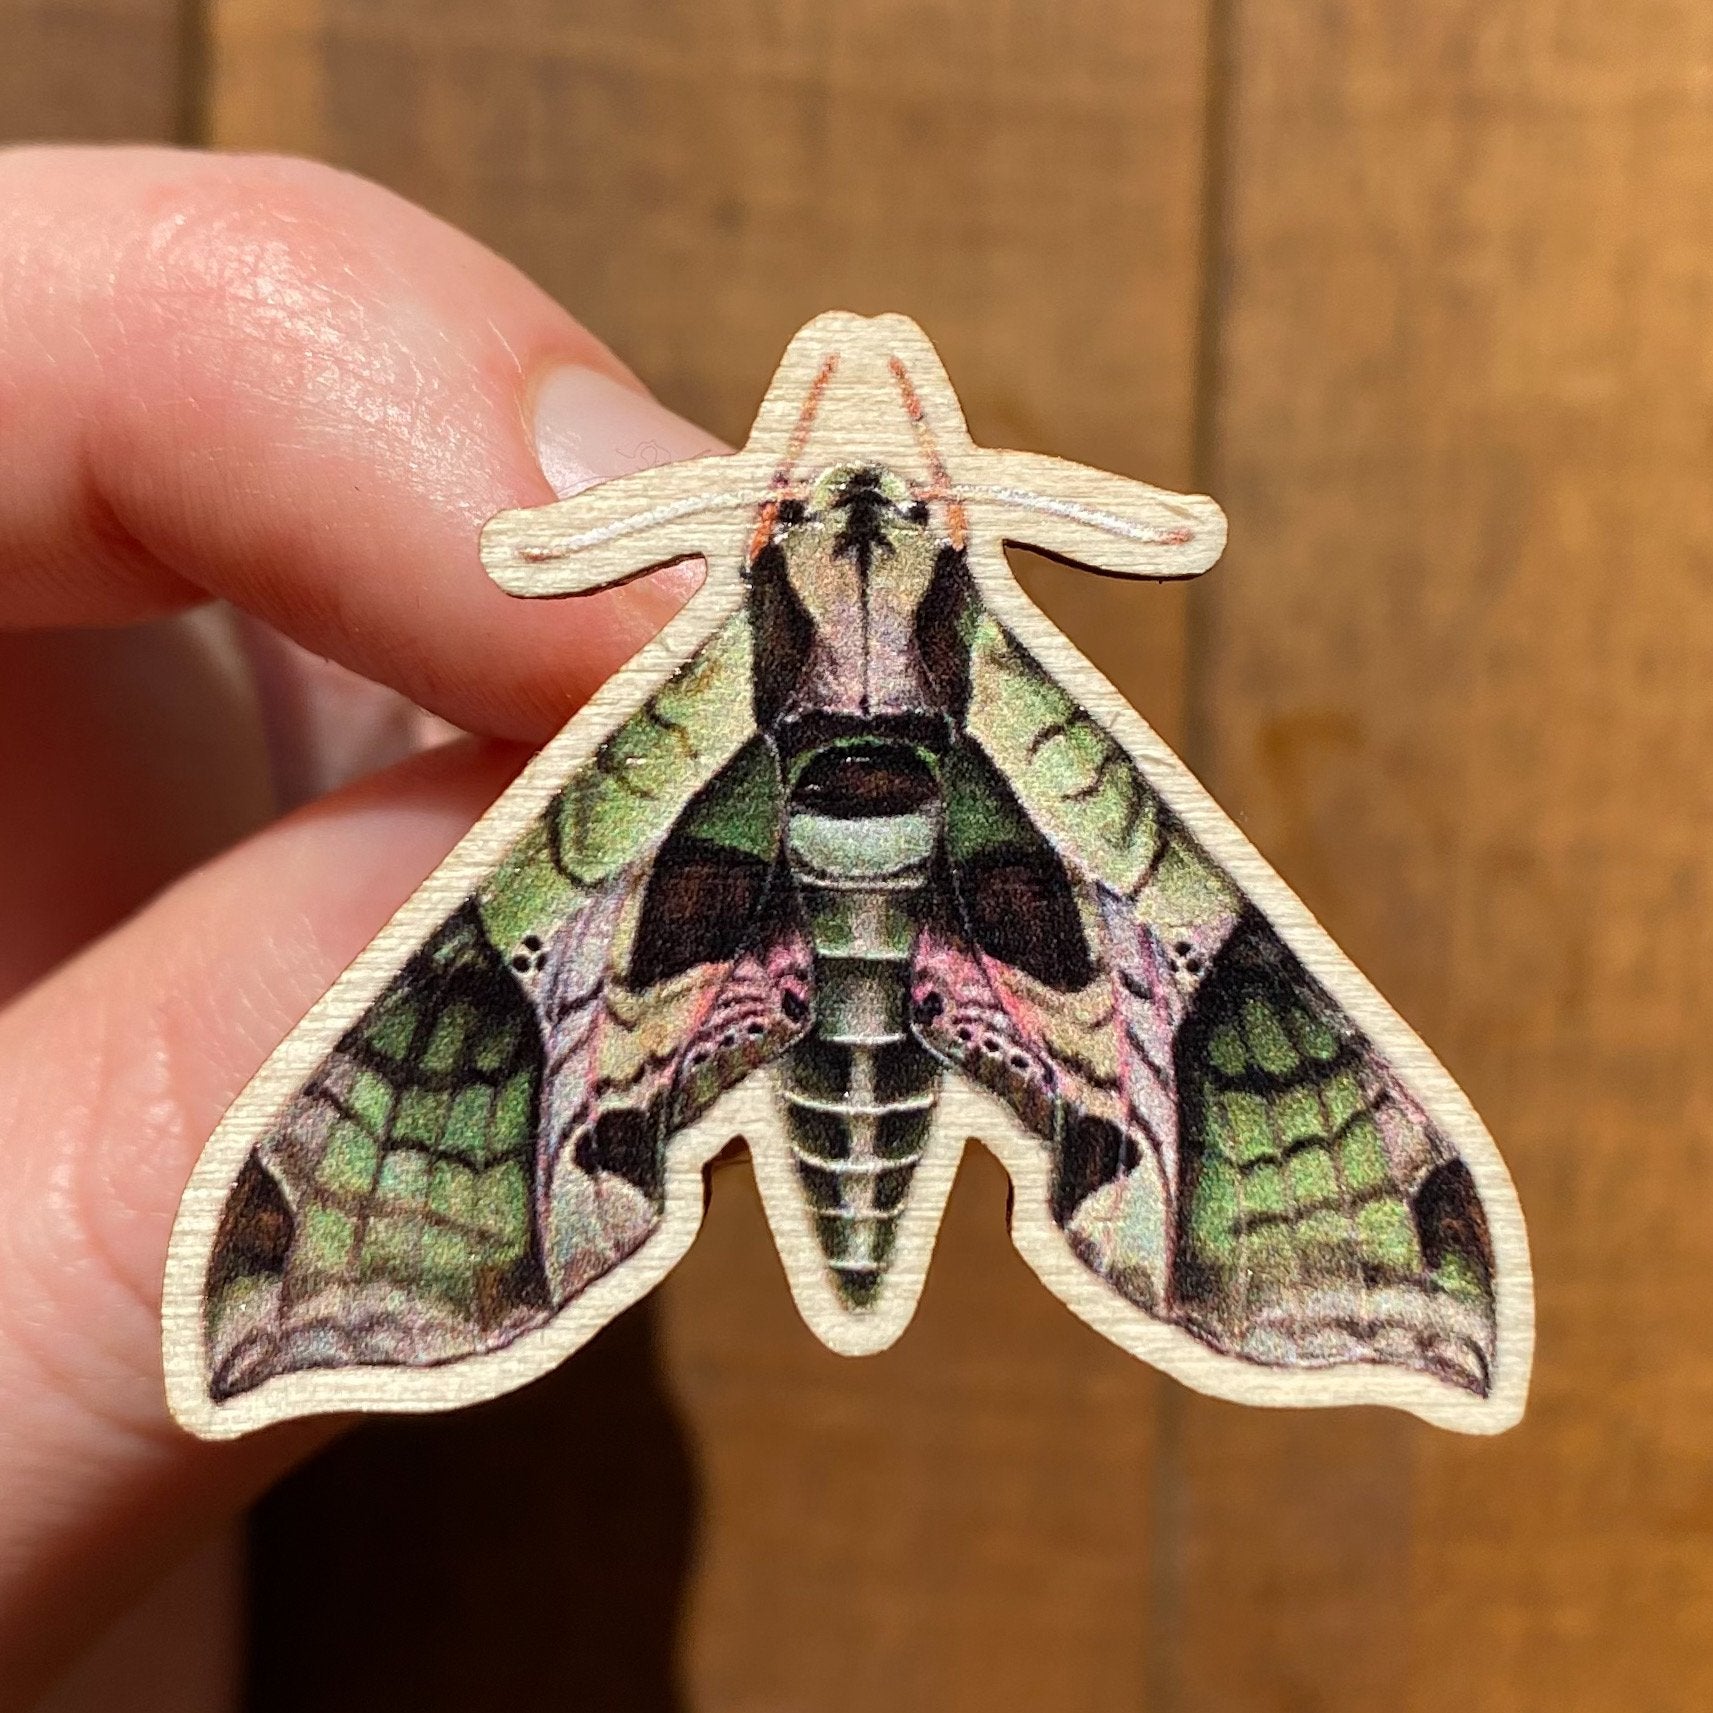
266 382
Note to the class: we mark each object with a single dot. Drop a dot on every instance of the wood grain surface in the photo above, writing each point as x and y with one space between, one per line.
108 71
1420 294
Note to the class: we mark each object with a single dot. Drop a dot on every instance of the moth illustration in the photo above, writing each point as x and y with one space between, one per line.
858 860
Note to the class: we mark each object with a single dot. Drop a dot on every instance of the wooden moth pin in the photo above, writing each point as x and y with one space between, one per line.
858 860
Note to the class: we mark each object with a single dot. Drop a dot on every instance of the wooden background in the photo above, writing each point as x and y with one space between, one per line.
1422 291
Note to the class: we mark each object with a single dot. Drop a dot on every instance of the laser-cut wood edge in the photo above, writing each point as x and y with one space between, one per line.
704 508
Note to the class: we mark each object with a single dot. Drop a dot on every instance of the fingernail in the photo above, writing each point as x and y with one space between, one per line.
589 426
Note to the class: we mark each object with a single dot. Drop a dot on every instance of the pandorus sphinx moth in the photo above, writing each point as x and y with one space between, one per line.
858 860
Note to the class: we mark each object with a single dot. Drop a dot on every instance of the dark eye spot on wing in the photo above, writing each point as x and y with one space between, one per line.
1015 894
700 901
255 1229
1449 1219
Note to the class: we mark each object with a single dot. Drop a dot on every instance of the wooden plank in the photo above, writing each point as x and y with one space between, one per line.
97 71
964 1520
1457 683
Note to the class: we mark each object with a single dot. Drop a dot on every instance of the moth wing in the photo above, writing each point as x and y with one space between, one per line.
1226 1148
486 1138
386 1216
689 972
1323 1217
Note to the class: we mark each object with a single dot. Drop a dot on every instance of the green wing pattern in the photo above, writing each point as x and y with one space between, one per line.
391 1211
1227 1149
1323 1218
413 1203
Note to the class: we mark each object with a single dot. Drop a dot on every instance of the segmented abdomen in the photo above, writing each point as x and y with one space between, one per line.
859 1092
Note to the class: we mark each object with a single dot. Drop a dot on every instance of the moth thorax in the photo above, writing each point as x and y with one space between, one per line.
868 663
860 559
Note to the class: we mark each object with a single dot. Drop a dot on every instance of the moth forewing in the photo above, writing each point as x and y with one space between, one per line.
488 1374
261 1104
1172 1348
1174 1351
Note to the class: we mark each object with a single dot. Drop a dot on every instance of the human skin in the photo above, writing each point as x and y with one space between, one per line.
265 382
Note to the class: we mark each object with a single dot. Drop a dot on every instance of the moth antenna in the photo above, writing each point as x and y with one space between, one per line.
957 526
793 454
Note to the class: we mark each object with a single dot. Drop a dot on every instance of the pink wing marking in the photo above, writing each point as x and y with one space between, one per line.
761 1006
731 1018
965 1017
971 1012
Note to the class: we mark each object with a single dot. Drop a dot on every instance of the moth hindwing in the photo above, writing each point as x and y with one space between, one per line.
858 860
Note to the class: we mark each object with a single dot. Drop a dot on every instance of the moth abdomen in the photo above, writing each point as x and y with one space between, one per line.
858 1091
857 1118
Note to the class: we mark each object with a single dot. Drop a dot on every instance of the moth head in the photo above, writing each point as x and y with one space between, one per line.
841 487
858 535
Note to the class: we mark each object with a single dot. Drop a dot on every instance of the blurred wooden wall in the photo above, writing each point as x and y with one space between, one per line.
1422 290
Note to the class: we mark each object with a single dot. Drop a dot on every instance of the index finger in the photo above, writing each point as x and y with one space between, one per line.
268 381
